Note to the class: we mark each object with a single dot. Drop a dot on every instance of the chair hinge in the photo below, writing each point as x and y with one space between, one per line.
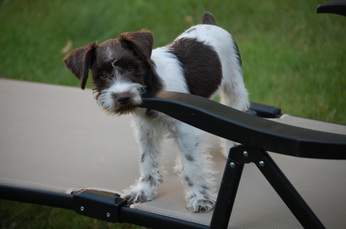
99 205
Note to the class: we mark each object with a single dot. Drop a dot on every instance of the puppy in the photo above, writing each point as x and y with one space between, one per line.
204 61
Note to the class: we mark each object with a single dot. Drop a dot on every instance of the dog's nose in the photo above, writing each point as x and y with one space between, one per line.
122 98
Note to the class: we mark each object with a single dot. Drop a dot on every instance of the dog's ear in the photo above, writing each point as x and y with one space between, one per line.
80 60
140 42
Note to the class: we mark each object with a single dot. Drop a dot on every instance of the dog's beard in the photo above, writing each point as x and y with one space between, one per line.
111 106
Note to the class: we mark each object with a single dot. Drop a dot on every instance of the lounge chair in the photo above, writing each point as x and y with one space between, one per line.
58 150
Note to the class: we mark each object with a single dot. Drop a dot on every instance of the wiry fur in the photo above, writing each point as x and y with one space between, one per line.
204 60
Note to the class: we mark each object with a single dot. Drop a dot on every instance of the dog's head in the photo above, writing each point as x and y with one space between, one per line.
121 68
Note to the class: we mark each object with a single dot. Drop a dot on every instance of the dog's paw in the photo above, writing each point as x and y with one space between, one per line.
200 202
201 206
138 194
136 197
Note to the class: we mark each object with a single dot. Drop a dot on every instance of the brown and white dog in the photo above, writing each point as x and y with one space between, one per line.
204 60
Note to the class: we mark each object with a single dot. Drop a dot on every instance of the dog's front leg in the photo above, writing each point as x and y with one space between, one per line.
196 169
145 189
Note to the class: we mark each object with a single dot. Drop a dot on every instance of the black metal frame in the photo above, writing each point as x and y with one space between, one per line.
241 155
107 207
258 136
333 7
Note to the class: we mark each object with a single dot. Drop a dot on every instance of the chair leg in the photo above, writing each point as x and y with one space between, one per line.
286 191
240 155
228 190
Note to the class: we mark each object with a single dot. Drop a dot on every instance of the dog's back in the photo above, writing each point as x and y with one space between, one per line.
201 61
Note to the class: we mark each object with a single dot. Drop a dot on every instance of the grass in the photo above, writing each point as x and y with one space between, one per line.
21 215
293 58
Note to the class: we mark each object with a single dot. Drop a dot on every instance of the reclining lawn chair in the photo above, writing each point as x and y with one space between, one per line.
57 150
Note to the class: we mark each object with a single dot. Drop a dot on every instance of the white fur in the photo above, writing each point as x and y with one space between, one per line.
106 101
196 167
169 70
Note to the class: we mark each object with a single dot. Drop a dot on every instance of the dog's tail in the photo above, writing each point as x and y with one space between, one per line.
208 18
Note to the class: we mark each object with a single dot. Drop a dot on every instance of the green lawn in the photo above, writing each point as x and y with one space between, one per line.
293 58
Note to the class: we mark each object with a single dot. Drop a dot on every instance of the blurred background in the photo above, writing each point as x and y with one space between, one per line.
292 58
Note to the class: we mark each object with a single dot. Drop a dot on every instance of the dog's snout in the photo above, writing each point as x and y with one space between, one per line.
122 98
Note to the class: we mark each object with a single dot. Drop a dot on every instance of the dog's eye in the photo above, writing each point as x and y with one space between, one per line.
103 75
130 68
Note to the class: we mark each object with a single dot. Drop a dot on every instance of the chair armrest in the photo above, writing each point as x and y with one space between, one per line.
247 129
334 7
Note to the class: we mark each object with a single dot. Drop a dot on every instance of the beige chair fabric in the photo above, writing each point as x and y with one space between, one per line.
56 138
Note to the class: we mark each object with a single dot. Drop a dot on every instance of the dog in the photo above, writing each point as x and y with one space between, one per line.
204 61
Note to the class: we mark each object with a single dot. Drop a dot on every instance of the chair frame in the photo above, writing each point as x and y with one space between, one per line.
257 136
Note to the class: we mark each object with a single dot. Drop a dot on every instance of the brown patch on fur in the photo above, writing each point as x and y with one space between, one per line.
201 65
80 60
141 43
130 49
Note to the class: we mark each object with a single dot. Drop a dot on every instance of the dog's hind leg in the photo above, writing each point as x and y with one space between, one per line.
149 137
196 169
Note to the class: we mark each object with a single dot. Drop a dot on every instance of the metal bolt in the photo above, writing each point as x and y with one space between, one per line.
246 154
108 214
81 208
261 163
232 164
